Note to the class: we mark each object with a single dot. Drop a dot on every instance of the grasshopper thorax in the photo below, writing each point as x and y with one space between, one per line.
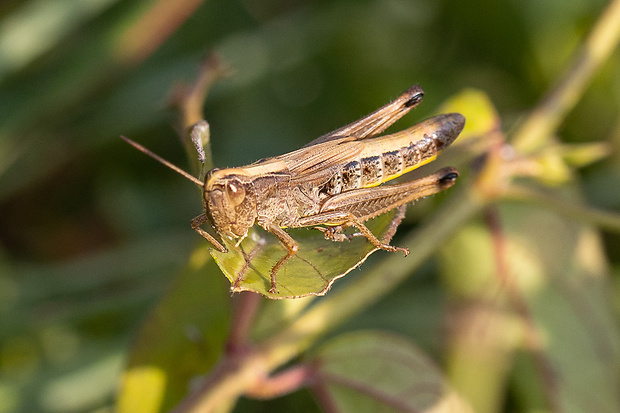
230 201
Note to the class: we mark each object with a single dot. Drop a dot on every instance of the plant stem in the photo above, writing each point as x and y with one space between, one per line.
189 101
545 118
245 305
603 219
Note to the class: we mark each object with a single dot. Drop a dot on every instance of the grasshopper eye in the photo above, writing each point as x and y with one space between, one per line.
235 192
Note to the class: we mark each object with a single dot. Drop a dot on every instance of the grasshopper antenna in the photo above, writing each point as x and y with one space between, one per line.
162 161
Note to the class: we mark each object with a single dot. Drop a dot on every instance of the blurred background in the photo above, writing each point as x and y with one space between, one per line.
92 233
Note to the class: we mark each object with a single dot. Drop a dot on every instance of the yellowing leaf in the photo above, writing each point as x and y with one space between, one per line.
181 339
480 114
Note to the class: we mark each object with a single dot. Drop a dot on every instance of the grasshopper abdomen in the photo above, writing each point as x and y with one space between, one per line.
388 157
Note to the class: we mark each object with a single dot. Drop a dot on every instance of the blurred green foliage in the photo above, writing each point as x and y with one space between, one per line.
92 233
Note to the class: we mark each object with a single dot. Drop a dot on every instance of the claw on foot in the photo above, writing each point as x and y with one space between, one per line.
335 234
392 248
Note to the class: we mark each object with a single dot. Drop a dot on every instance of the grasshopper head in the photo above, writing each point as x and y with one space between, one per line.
230 201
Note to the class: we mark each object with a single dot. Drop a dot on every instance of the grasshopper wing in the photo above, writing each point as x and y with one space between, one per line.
379 120
318 163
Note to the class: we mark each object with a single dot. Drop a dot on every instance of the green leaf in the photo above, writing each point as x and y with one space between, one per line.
555 164
379 372
317 264
182 338
584 154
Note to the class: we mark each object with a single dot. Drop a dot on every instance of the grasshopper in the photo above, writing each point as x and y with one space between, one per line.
330 184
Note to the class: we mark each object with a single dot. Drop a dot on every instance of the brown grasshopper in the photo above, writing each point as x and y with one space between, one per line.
329 184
